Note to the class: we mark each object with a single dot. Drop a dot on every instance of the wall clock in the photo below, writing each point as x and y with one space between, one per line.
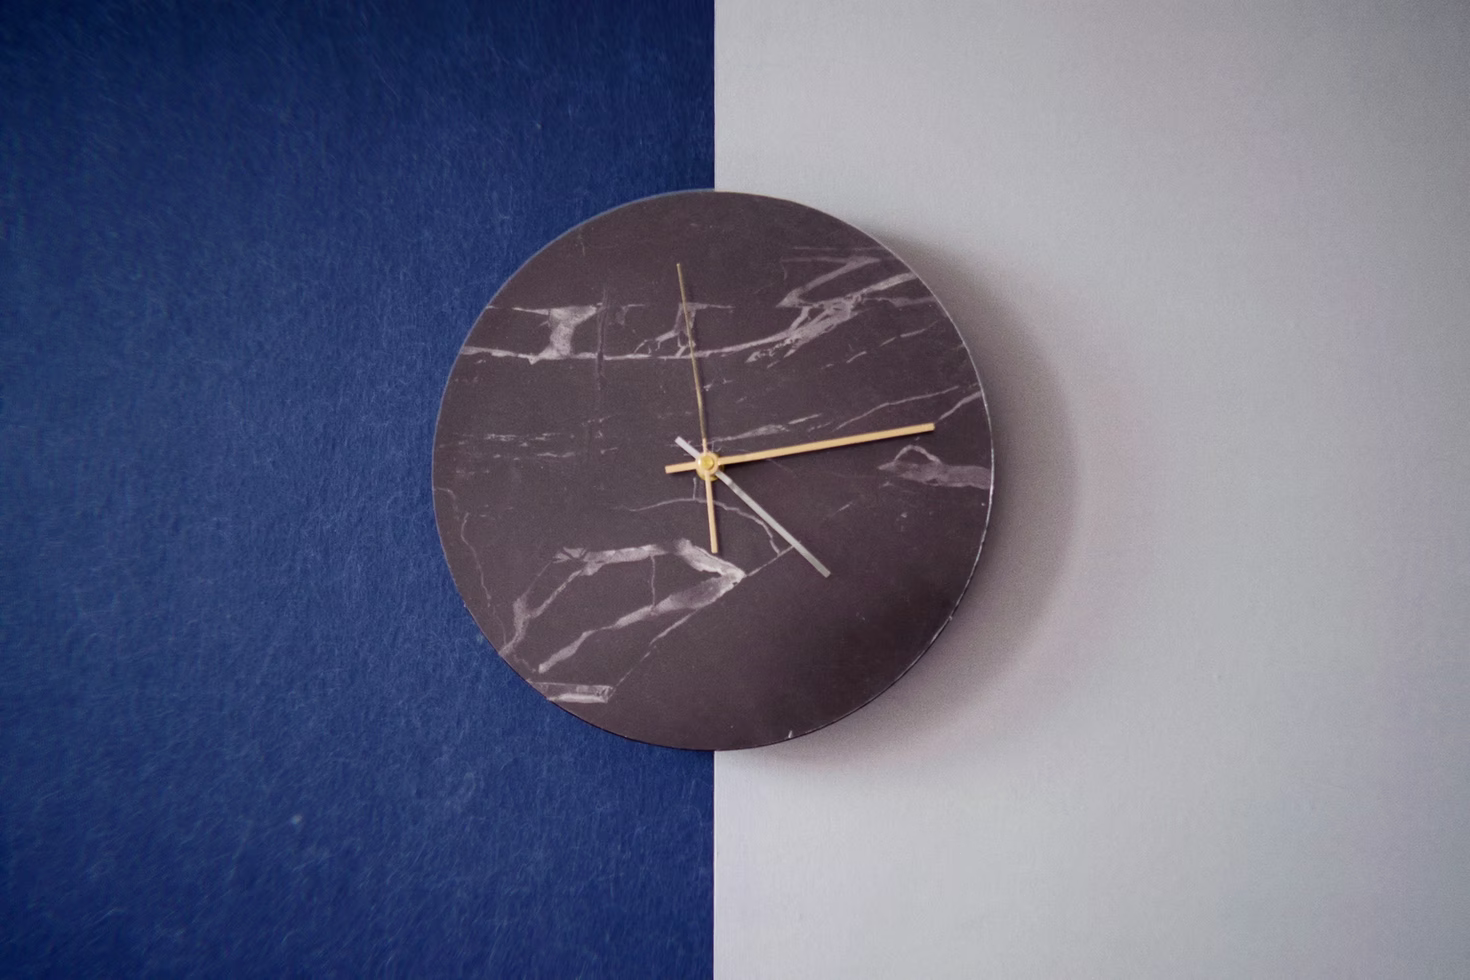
712 470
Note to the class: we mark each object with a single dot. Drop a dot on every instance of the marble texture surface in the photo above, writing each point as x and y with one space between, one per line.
589 569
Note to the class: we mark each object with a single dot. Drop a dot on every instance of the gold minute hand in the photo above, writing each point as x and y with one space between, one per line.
807 447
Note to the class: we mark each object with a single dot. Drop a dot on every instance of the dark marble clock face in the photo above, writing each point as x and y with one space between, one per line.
589 569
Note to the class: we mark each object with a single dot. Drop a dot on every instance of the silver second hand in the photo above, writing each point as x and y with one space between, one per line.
709 486
760 511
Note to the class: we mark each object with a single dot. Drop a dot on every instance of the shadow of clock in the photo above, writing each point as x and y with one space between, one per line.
965 692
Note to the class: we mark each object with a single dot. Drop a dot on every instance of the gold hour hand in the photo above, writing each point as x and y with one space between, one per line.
808 447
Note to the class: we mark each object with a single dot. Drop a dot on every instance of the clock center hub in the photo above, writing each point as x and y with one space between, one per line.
706 465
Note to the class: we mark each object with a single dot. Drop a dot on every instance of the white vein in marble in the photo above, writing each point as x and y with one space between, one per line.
929 469
897 401
578 563
813 318
575 693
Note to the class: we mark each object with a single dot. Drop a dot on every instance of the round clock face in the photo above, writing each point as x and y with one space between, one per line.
598 576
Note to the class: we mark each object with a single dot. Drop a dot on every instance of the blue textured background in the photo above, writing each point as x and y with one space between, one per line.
247 724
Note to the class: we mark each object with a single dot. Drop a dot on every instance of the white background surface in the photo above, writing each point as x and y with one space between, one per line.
1206 711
